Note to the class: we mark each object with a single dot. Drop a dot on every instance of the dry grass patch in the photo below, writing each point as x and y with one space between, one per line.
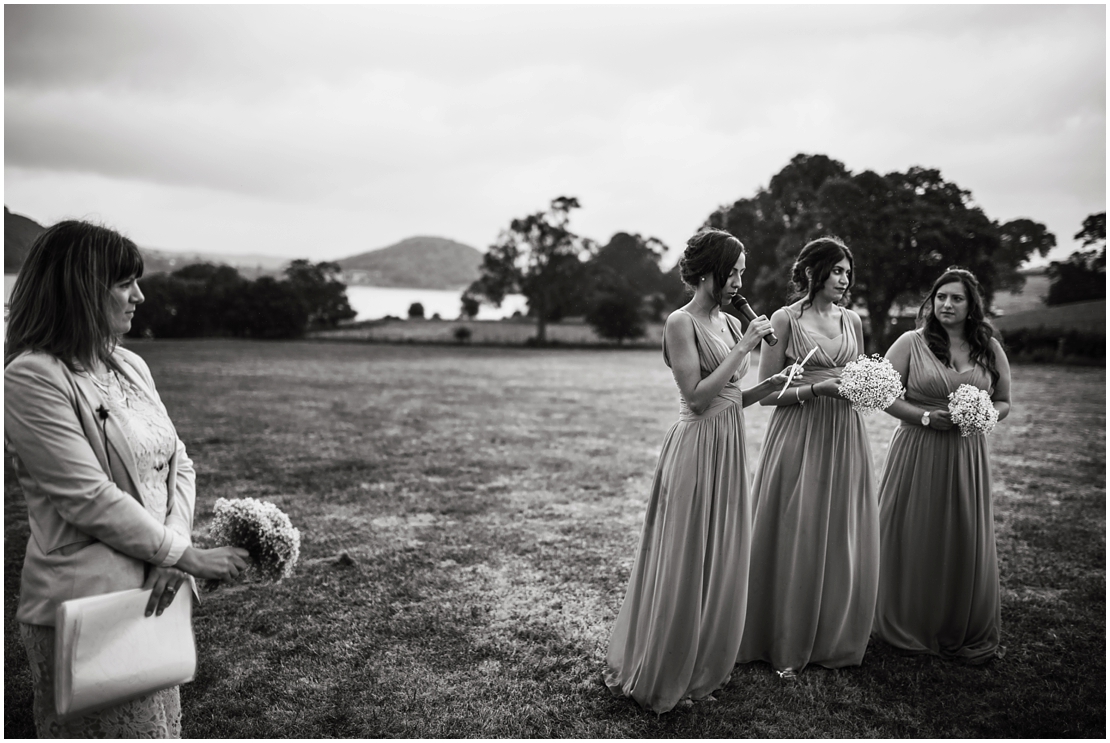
469 518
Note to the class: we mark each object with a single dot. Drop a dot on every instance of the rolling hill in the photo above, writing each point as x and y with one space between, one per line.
19 233
416 262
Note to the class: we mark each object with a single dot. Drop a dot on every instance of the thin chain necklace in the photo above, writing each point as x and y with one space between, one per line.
104 383
709 318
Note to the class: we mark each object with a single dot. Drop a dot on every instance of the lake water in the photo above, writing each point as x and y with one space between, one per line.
374 302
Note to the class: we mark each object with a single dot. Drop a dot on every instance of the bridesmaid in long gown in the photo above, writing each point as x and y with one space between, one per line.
679 627
938 580
815 531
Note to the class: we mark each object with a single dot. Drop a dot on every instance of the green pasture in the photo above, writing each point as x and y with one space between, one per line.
516 332
469 518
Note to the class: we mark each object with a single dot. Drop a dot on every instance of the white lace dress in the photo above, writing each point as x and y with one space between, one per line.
153 441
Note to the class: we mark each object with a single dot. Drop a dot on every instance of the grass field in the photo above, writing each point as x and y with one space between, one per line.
469 519
1086 317
482 332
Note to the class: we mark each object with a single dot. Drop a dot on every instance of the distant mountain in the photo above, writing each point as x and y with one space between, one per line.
19 233
417 263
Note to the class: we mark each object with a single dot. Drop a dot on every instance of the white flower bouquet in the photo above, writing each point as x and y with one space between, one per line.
870 384
972 410
263 530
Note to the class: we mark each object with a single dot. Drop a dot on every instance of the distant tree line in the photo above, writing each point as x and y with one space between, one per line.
903 228
1082 277
617 287
204 300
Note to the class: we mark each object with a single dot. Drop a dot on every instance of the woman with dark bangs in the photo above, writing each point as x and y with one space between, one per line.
108 485
815 523
938 580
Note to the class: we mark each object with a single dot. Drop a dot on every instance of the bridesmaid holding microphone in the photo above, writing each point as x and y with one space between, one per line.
679 627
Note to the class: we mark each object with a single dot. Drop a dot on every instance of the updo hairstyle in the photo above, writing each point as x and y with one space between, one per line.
710 253
820 256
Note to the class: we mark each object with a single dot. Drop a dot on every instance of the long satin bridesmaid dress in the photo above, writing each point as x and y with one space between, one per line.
815 529
679 628
938 577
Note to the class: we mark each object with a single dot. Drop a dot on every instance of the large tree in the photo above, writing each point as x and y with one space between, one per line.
773 225
323 294
635 259
537 256
903 228
626 286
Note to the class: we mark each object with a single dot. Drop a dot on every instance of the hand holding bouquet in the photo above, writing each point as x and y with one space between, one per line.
870 384
263 530
972 410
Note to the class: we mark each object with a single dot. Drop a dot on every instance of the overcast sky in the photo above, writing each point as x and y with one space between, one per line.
306 131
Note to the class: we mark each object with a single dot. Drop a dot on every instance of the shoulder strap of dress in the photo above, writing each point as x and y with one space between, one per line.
920 347
733 327
697 343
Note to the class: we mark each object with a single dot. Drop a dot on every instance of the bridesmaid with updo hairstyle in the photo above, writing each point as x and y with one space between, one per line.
678 630
938 580
815 530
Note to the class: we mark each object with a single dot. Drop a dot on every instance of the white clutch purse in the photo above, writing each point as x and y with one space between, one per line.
107 652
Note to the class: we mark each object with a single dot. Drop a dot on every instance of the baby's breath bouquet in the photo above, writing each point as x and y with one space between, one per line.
972 410
870 384
263 530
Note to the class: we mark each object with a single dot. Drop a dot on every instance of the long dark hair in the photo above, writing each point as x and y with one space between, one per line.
710 253
820 256
977 328
59 302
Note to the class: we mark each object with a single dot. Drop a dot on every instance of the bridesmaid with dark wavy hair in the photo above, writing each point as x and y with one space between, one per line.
938 576
815 525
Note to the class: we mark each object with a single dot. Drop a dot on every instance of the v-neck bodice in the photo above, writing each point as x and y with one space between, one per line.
712 350
831 352
929 381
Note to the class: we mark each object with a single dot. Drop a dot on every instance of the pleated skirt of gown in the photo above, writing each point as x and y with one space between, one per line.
815 540
679 628
938 581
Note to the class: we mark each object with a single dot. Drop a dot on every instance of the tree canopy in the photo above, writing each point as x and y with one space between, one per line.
204 299
903 230
1082 276
627 287
539 257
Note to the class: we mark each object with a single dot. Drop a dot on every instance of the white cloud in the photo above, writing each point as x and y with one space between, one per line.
337 129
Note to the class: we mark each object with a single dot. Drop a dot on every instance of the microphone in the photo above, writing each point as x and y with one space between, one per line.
102 412
746 310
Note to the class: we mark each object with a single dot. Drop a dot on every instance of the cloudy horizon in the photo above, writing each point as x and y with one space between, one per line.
328 131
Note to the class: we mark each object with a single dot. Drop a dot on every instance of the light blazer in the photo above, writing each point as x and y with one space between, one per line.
90 533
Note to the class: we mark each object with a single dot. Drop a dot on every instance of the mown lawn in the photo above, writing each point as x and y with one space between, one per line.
469 517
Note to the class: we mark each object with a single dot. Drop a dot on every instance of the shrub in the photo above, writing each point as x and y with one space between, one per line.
1044 344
